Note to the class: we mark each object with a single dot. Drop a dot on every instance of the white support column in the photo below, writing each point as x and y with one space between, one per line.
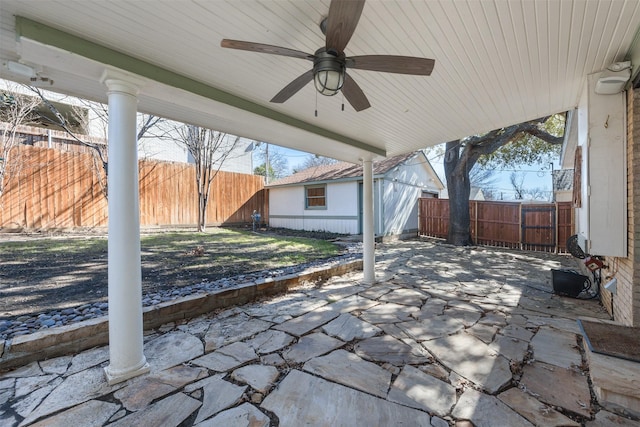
368 230
124 267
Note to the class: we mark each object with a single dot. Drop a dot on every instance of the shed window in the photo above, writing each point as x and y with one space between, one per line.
315 197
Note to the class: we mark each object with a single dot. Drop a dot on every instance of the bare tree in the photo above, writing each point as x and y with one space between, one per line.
538 193
522 193
517 182
15 110
98 150
149 126
483 178
313 160
273 163
209 149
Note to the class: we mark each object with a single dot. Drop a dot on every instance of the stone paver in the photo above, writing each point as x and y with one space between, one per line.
139 392
270 341
302 396
172 349
93 412
419 390
432 307
218 395
531 409
431 328
307 322
405 297
58 365
510 348
486 411
558 387
170 411
517 332
390 350
467 317
348 369
432 344
27 403
347 328
27 385
258 377
227 357
311 346
233 329
388 313
75 389
473 359
245 415
607 419
556 347
484 333
351 303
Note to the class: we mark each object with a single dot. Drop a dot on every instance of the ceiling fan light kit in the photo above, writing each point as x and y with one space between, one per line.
330 63
328 73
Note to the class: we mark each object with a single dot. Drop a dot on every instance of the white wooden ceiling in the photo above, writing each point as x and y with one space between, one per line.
498 62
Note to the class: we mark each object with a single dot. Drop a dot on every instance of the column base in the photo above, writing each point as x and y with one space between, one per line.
369 281
115 378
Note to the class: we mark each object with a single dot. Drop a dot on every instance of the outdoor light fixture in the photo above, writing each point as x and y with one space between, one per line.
614 78
328 72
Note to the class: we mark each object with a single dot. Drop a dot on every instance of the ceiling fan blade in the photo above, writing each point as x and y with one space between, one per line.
265 48
392 64
293 87
354 94
341 22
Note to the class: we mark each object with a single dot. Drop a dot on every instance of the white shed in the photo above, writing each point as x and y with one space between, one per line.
329 197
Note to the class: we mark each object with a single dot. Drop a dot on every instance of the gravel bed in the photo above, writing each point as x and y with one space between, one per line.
28 324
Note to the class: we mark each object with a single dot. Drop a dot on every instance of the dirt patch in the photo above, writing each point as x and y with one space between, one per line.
41 272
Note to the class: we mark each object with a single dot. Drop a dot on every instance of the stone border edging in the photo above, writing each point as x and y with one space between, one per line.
76 337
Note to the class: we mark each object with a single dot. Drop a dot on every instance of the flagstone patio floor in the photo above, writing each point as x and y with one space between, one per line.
448 336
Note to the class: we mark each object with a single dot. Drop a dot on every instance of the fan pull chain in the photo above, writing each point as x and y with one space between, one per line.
342 93
316 102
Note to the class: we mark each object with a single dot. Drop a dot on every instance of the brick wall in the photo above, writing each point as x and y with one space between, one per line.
625 305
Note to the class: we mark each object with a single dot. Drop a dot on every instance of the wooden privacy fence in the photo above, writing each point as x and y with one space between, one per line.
49 188
531 226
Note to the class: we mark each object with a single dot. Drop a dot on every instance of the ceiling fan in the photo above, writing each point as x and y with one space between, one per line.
330 63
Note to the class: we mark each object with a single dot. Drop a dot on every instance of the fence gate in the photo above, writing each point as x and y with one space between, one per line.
531 226
538 227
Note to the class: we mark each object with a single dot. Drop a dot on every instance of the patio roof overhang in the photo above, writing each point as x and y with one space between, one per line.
497 63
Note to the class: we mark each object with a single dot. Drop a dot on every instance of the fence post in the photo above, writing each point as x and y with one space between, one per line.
521 226
475 231
556 234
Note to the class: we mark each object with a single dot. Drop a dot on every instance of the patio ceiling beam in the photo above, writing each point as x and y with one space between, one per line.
50 36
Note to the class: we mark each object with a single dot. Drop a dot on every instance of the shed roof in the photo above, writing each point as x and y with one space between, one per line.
341 170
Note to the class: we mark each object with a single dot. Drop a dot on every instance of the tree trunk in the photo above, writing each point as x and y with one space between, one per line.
459 187
462 155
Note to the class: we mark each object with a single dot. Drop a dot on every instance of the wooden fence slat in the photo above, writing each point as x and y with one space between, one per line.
504 224
60 189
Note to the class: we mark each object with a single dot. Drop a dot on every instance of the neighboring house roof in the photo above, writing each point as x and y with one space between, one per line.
345 170
562 179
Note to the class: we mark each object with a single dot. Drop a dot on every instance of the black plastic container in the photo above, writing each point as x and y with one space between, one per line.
568 283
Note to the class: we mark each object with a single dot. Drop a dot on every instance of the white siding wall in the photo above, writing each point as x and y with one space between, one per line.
239 159
401 189
287 209
162 149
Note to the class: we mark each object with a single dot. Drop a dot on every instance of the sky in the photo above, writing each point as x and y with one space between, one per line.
535 176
